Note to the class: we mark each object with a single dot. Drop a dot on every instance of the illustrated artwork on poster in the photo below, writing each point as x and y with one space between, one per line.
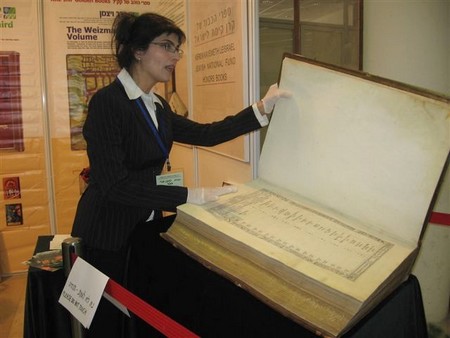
11 188
86 73
168 91
11 129
14 214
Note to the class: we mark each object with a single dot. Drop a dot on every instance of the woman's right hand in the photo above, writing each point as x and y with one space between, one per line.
201 196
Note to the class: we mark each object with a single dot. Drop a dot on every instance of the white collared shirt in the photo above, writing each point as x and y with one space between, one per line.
133 91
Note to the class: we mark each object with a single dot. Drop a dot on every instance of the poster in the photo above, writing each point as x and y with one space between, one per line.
11 188
218 54
14 214
80 54
11 131
86 73
23 167
79 61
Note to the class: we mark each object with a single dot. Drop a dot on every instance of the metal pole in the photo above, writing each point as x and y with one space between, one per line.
71 246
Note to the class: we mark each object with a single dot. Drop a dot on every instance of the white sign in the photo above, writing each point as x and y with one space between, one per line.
56 242
83 291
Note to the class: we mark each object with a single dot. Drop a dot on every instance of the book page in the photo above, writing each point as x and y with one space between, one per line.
367 150
295 236
275 219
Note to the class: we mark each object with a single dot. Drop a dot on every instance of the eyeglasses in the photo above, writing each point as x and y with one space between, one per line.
169 47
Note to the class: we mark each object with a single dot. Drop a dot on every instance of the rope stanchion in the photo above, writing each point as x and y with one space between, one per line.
70 247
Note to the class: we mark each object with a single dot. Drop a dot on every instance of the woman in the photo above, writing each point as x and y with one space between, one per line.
129 132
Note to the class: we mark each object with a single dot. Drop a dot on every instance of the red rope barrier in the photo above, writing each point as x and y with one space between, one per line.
440 218
145 311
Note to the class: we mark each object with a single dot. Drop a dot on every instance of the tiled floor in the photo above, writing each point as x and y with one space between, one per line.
12 301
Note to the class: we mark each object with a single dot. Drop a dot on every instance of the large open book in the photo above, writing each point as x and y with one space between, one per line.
347 178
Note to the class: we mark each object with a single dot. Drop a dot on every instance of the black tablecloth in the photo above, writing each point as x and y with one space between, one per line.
44 317
208 304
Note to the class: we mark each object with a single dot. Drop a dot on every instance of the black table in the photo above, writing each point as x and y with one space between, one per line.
208 304
44 317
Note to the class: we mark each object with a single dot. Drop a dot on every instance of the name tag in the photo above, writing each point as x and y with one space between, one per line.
174 178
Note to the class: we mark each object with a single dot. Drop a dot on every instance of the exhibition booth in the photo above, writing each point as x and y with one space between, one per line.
56 54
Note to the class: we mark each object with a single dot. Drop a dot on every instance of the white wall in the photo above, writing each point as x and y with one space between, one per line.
409 41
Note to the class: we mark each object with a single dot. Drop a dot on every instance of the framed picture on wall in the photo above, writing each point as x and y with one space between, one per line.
14 214
11 188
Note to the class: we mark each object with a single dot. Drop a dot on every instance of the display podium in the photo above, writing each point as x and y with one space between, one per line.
206 303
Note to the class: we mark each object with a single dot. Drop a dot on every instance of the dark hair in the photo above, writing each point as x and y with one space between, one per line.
132 32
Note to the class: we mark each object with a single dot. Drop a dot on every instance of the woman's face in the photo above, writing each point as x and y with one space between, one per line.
158 61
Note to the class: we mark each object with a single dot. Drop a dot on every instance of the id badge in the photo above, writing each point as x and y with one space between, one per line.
171 178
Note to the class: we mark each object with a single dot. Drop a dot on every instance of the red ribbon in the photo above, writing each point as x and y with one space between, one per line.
145 311
440 218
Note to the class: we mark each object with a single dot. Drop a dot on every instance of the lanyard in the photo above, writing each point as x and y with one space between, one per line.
155 132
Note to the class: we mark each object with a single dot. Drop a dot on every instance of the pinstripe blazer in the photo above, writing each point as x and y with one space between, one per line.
124 158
